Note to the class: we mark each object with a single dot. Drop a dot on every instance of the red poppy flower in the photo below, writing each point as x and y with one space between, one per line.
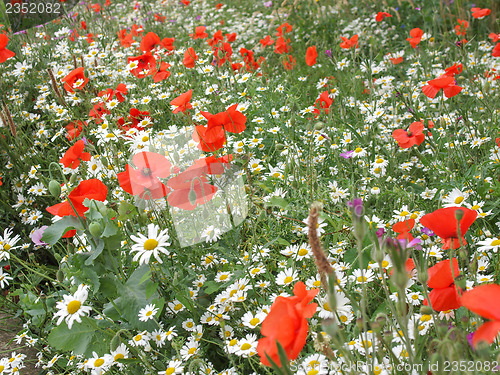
189 58
126 39
74 130
230 120
461 28
414 136
199 33
144 181
206 146
454 69
496 51
443 222
98 111
231 37
416 36
144 62
283 29
403 228
190 188
323 102
182 102
282 46
444 295
267 41
163 73
381 15
287 324
445 82
396 60
349 43
218 37
484 300
289 62
168 43
480 13
91 189
96 7
75 80
1 183
494 37
149 41
136 117
4 52
74 154
311 56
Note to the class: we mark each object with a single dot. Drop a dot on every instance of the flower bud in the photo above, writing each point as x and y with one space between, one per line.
319 125
95 228
73 178
425 310
54 188
60 276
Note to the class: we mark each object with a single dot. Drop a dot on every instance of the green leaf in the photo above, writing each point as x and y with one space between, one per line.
96 251
278 202
108 287
110 229
53 233
150 289
211 286
126 211
82 338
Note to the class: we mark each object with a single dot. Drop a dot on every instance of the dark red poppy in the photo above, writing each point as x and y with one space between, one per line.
144 180
444 295
75 80
74 155
91 189
136 117
98 111
443 223
484 300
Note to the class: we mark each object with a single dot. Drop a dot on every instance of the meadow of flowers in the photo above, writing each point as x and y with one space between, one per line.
248 187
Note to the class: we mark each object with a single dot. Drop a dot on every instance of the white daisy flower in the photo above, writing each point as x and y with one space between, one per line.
147 313
153 244
71 309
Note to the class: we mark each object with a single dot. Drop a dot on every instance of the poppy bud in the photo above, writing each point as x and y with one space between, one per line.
319 125
425 310
280 146
95 229
381 319
192 197
459 214
60 276
73 178
461 282
330 327
58 257
54 188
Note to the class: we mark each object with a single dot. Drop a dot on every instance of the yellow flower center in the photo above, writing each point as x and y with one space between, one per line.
150 244
385 263
138 338
189 324
459 200
99 362
379 161
288 279
495 243
327 307
233 342
6 247
362 279
149 313
404 213
343 318
2 368
254 321
73 306
303 252
119 356
170 371
223 277
317 283
246 346
192 351
178 307
358 150
312 372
